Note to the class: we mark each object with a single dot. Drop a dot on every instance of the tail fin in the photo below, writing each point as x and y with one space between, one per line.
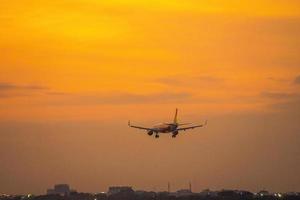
175 117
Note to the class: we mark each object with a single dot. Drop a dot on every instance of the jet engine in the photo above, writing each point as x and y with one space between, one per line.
150 133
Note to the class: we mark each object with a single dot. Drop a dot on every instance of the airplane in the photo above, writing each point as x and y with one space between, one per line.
173 127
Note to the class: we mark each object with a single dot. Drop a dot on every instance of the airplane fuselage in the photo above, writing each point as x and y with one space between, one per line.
165 127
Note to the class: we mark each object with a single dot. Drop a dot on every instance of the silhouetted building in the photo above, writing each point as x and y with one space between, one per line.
119 189
183 192
228 194
61 189
207 193
144 195
127 193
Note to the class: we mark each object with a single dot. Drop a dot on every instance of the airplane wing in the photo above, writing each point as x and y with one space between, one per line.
139 127
182 124
192 127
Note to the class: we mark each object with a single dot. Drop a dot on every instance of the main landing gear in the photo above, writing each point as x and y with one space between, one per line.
156 136
174 134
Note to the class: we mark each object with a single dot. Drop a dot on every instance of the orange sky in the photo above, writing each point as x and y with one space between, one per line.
92 61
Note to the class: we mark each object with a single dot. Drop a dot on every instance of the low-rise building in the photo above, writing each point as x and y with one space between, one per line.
120 189
61 189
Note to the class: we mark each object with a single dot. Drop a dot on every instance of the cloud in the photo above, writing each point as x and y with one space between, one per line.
169 81
291 106
123 98
58 93
208 78
10 86
297 80
287 103
12 90
279 95
139 98
277 79
183 81
7 86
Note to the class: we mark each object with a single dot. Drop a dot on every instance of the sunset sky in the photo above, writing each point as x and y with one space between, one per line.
74 71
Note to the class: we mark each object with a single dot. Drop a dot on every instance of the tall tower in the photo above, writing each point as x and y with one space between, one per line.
168 187
190 186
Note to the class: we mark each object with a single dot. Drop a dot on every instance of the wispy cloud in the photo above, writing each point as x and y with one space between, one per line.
183 81
8 90
11 86
12 90
58 93
297 80
127 98
277 79
291 106
279 95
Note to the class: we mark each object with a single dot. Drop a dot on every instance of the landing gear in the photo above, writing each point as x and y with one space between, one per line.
156 136
174 134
